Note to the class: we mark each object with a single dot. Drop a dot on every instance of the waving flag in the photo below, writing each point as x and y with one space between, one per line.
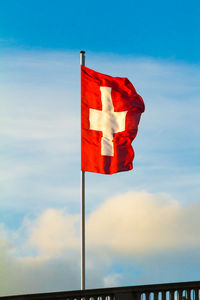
110 114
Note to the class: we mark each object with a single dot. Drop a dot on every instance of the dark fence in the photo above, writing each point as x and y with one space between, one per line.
169 291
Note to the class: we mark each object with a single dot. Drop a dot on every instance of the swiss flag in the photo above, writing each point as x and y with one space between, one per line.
110 114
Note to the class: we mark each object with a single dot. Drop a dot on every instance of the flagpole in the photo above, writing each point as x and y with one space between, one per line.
82 62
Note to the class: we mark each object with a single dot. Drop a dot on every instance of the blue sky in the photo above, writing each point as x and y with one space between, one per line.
150 28
142 226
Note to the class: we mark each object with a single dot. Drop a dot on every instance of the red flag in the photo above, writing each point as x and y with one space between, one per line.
110 114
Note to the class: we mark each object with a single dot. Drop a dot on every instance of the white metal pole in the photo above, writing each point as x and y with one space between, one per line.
82 62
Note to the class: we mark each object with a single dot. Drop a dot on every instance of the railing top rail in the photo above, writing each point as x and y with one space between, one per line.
109 291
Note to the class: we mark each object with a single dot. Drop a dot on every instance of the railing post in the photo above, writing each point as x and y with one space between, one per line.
171 295
147 295
125 296
196 294
163 295
138 296
180 294
155 295
188 294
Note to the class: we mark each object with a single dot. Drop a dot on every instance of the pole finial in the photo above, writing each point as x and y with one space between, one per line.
82 58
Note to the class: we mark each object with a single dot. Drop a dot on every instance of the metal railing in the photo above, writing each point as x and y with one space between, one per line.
169 291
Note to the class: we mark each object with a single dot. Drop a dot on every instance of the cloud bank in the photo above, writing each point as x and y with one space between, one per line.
135 227
141 224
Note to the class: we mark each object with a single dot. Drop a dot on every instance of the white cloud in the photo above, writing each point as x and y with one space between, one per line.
45 251
55 232
142 224
36 274
112 280
130 224
141 232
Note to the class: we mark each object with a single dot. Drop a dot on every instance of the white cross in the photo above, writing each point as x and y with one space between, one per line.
108 121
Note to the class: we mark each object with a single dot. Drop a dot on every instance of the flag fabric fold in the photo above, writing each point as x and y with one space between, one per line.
110 114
